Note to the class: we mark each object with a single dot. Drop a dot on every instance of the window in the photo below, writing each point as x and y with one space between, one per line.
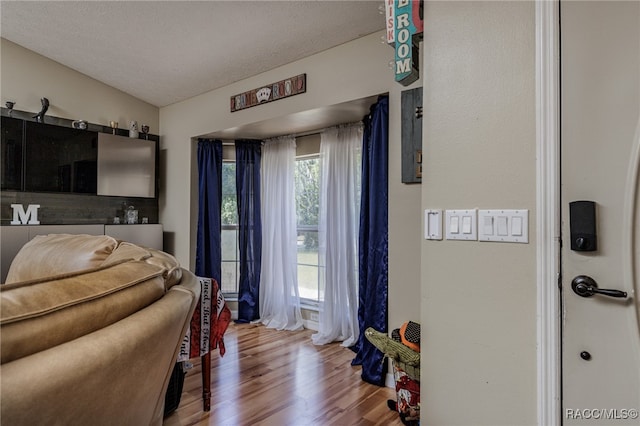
307 187
230 253
307 182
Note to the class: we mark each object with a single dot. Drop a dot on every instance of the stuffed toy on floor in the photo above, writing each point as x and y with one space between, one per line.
403 347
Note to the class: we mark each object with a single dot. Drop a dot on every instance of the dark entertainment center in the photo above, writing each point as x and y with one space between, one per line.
56 166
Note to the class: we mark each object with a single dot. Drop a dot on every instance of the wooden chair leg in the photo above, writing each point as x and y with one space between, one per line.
206 381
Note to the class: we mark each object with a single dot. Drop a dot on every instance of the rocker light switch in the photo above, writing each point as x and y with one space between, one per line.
505 226
502 226
461 225
487 225
454 225
516 226
466 224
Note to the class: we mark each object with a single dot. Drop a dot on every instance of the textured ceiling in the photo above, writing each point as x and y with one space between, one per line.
166 51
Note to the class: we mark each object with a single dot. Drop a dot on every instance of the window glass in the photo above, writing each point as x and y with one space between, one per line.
307 183
229 200
230 255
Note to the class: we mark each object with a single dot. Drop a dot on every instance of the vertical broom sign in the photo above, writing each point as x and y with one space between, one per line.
405 25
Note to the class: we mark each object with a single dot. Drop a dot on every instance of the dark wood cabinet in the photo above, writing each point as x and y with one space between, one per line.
56 167
11 155
60 159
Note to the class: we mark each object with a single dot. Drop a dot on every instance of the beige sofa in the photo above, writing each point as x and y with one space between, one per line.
90 331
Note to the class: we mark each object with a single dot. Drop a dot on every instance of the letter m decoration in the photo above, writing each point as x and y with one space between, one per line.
408 28
30 217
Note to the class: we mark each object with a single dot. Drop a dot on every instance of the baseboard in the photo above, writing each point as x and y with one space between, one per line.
389 381
311 325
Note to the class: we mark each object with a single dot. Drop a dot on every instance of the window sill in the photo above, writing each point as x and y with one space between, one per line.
309 307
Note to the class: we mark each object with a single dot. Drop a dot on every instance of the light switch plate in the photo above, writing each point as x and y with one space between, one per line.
504 226
461 225
432 224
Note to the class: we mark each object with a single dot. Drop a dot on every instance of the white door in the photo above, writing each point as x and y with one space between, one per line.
600 113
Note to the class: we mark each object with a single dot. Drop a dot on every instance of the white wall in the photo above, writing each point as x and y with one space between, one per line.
27 76
479 299
351 71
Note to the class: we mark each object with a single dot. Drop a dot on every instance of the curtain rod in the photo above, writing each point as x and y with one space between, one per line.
297 135
231 142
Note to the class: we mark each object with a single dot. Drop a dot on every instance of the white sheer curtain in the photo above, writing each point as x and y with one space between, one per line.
279 297
340 155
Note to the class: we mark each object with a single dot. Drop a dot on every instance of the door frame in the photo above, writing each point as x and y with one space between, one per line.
548 310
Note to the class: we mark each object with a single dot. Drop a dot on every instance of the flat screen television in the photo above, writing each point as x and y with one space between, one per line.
126 166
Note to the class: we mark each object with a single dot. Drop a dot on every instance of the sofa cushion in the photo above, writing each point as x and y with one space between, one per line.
126 251
53 254
170 265
42 313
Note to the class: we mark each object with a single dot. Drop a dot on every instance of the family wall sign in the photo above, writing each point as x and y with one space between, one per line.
271 92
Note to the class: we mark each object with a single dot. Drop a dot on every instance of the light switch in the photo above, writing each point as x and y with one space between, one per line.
516 226
461 224
502 226
454 224
487 225
466 224
505 226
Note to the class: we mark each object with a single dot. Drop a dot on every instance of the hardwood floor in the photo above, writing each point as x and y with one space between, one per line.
271 378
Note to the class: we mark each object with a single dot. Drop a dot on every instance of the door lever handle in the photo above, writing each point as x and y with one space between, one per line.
586 286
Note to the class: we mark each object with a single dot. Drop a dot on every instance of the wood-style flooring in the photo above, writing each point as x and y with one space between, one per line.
278 378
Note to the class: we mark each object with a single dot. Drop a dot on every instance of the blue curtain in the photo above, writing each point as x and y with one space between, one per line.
248 154
373 241
208 240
